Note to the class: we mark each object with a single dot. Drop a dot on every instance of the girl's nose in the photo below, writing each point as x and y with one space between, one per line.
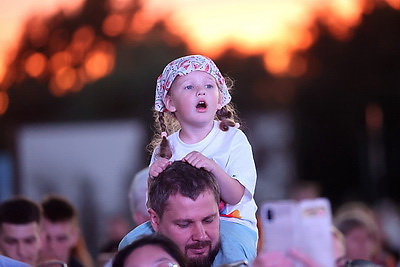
201 92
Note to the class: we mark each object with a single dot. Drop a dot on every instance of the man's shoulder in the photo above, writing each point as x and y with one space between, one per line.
238 242
6 262
138 231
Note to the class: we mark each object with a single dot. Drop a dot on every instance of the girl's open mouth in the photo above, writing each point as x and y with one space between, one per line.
201 105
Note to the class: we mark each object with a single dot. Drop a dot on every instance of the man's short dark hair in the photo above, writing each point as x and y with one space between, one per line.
180 177
58 209
20 210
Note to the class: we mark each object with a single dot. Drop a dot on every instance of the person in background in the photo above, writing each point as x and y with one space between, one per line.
387 213
184 206
20 235
137 197
150 250
302 189
196 123
62 236
362 235
139 215
116 228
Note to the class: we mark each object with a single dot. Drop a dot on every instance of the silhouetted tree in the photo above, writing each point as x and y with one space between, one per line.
330 108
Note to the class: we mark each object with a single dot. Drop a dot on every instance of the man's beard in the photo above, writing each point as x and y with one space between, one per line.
207 260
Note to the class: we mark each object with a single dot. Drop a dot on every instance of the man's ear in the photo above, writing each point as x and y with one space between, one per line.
169 103
75 235
155 220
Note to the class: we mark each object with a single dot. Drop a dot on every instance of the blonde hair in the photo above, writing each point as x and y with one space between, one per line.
355 214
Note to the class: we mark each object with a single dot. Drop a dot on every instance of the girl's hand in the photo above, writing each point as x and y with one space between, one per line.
158 166
198 160
231 189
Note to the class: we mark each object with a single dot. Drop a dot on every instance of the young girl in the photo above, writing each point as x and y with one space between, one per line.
196 124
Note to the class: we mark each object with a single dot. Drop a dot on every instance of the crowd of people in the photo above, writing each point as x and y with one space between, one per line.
39 233
183 229
194 205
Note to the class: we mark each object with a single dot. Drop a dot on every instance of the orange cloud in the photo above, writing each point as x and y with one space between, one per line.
274 29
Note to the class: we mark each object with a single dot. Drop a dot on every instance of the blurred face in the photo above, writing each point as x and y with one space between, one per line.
59 239
21 241
149 256
359 244
194 98
193 225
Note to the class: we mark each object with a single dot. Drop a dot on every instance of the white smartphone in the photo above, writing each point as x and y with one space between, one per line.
304 226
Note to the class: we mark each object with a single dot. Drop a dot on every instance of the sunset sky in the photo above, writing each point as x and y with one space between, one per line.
253 26
13 15
273 29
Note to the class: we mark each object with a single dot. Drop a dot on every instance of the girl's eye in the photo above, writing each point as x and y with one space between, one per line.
209 86
189 87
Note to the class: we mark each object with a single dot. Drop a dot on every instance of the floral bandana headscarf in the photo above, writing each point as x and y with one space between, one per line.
183 66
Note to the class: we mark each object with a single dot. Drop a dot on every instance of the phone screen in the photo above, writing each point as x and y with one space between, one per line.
304 226
278 218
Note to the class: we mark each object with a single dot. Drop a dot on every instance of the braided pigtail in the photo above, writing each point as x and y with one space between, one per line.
165 149
226 117
165 123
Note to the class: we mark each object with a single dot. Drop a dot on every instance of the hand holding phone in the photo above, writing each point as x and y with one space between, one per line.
303 226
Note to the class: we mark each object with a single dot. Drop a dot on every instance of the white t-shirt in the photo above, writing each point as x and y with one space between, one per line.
232 151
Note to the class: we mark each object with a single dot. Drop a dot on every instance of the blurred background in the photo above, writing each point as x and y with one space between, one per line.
317 86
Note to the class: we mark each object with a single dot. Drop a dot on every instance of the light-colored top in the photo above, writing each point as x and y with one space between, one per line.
237 242
8 262
232 151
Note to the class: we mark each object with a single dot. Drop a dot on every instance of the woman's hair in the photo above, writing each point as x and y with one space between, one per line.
166 122
155 240
353 215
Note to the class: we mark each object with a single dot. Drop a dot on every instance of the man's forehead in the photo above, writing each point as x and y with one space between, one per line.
205 204
178 198
31 228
